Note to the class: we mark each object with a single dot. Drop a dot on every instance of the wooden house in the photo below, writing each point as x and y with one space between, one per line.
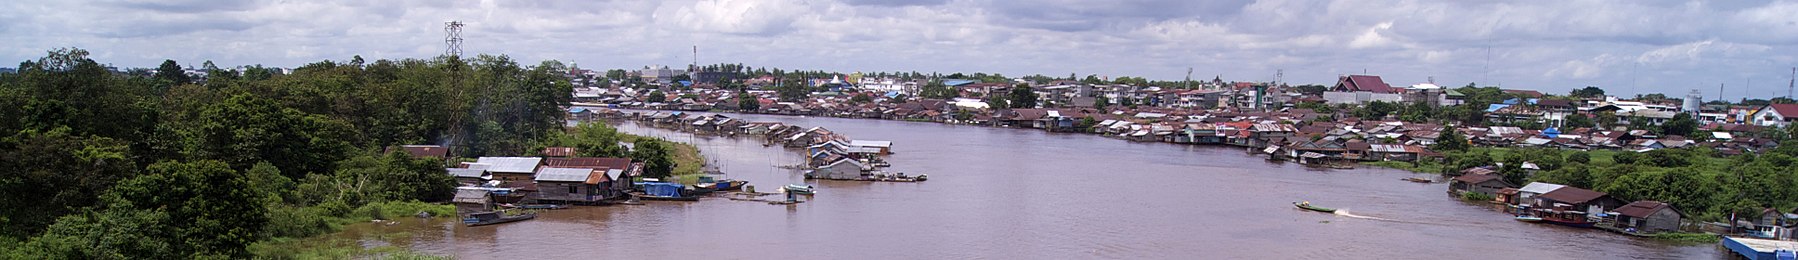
469 176
471 200
1648 216
572 185
1489 184
841 169
1577 200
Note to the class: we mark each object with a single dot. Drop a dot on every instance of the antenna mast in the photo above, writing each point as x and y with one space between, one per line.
1188 77
453 36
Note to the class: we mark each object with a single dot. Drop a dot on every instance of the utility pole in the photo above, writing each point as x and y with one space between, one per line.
1791 81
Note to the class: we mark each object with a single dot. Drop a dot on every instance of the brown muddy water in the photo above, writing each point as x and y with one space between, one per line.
1027 194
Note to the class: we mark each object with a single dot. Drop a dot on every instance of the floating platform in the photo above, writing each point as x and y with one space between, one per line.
1758 249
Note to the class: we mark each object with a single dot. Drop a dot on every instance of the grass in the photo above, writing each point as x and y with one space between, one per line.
326 246
687 160
1421 167
1682 237
1476 197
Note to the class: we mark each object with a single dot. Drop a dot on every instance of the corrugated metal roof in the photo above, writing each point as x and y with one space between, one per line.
465 172
564 174
1540 187
511 164
871 143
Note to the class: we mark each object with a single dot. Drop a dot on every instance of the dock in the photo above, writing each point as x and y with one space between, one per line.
1757 249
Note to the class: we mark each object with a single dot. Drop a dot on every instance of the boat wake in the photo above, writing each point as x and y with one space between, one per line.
1345 213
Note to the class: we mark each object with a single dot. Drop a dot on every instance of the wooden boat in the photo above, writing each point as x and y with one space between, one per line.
1419 180
799 189
495 217
1308 206
1568 222
1531 219
544 206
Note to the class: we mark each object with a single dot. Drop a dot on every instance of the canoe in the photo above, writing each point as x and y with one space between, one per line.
490 218
544 206
1419 180
1313 208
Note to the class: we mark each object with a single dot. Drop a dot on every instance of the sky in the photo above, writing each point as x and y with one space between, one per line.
1625 47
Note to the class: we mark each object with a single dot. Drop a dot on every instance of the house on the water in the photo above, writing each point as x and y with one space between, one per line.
841 169
1647 216
576 185
1489 184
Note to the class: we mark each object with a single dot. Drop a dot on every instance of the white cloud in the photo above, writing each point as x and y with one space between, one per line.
1668 43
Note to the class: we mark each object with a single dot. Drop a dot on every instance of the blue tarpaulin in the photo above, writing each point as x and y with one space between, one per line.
1551 132
663 189
1495 107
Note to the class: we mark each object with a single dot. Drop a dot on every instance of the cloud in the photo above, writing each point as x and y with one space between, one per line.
1548 45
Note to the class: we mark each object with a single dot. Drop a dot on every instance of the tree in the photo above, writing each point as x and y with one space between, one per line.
1587 92
935 89
199 209
1682 124
1577 120
245 130
171 73
747 102
861 98
1022 96
1579 157
655 155
997 103
1100 103
656 97
1450 140
52 173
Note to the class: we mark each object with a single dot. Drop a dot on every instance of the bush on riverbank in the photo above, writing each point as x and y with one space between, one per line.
1682 237
1476 197
1419 167
1707 186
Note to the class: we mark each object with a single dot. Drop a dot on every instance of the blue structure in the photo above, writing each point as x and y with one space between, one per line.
1551 133
1495 107
957 82
1760 249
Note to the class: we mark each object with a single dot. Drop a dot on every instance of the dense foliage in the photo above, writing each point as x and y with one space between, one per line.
160 165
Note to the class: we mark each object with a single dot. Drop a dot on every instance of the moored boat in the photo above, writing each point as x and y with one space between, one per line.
1528 219
495 217
1308 206
799 189
1419 180
666 191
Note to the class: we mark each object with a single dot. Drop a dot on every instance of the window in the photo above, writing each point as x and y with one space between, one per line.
573 189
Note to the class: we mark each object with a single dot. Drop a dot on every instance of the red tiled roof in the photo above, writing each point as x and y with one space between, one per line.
1572 195
1786 110
1367 83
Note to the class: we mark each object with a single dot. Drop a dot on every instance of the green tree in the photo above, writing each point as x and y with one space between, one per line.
656 97
245 130
1022 96
656 157
1450 140
748 102
1579 157
861 98
171 73
1577 120
1587 92
935 89
1100 103
52 173
997 103
1682 124
178 210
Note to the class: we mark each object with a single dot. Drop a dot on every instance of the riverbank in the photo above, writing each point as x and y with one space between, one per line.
689 163
338 242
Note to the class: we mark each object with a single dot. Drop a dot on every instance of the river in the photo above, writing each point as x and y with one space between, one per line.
1027 194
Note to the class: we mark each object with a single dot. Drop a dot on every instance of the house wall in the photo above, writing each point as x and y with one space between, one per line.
513 176
1663 220
1333 97
559 191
